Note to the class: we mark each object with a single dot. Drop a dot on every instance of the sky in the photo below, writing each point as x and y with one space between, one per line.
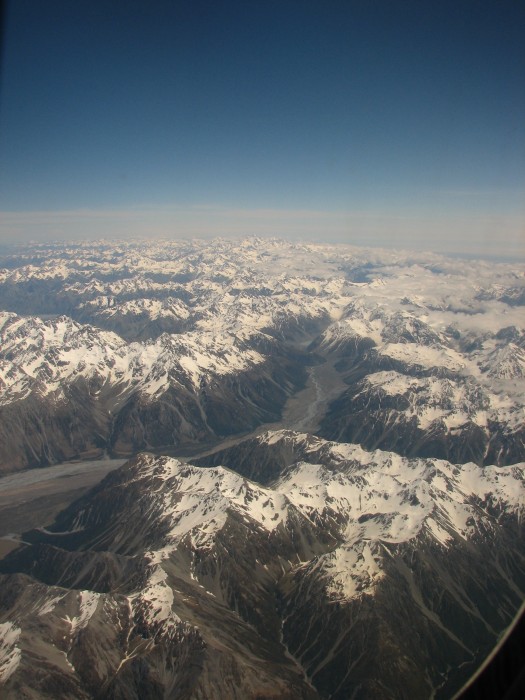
369 122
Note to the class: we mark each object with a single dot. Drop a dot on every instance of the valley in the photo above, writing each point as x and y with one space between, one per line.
33 499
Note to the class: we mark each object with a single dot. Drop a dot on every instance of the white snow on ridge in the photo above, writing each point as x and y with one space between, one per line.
424 356
350 570
433 399
370 497
87 602
395 500
10 653
151 308
197 501
47 354
155 599
350 328
507 362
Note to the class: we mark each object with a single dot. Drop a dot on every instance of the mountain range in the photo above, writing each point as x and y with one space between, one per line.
324 492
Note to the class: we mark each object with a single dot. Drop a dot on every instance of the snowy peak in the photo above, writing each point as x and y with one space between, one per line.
506 362
355 495
59 351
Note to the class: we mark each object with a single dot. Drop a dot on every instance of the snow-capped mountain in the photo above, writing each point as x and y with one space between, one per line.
349 520
218 572
175 388
422 387
162 345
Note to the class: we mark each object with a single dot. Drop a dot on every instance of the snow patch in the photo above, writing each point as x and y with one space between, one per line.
88 602
10 653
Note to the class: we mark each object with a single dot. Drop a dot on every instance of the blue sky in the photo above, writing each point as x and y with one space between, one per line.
367 121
